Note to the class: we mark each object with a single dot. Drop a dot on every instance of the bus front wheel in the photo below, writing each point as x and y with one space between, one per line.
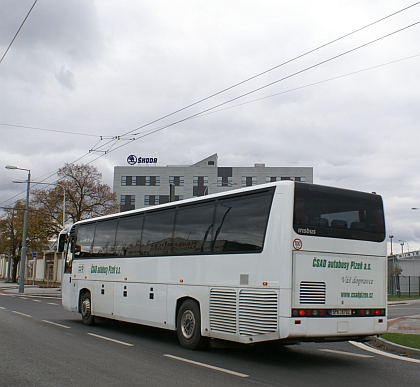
189 326
86 309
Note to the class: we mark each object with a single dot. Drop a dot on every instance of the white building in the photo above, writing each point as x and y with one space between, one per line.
404 273
143 183
409 263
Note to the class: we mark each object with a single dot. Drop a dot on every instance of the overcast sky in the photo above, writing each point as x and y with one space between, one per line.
86 72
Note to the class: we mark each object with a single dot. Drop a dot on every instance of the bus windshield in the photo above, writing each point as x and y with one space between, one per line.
338 213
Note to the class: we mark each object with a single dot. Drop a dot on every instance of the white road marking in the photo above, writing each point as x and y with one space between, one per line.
345 353
234 373
2 308
22 314
52 303
56 324
23 298
109 339
36 300
377 351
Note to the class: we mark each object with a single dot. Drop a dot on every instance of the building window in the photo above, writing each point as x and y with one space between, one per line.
286 178
248 181
146 180
151 199
123 180
127 202
300 179
224 182
270 179
211 162
176 180
200 181
200 184
133 180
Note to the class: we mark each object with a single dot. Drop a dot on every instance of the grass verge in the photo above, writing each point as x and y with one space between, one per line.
407 340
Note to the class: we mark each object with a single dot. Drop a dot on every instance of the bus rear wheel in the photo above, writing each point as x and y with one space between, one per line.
189 326
86 309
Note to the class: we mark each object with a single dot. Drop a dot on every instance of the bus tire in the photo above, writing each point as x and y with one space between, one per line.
86 309
189 326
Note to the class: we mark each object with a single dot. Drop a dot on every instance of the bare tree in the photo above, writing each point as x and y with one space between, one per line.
50 203
86 197
11 232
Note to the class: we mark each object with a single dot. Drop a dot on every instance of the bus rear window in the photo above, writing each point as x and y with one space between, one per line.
338 213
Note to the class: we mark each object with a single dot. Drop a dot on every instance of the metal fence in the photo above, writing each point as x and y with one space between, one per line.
404 285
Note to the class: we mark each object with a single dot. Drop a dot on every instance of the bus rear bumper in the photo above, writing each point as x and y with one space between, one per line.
333 328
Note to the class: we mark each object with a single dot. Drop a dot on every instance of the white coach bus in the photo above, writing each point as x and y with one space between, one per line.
284 261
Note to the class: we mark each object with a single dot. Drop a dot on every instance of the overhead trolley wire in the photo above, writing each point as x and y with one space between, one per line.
241 104
206 111
257 89
226 89
49 130
310 84
274 82
273 68
10 45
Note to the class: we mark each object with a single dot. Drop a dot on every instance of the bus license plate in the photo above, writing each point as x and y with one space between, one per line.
341 312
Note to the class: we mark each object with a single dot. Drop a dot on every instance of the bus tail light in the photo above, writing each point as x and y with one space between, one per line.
337 313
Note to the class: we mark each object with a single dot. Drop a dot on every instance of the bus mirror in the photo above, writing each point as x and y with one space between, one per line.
61 243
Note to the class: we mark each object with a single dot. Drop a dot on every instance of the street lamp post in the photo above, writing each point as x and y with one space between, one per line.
402 245
64 221
390 237
25 230
206 191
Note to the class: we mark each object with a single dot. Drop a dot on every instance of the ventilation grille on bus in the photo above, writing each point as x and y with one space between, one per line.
255 312
223 310
312 292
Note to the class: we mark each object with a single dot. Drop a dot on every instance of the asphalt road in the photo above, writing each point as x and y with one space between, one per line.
41 344
400 310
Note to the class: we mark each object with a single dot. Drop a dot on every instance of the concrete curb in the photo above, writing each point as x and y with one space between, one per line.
395 348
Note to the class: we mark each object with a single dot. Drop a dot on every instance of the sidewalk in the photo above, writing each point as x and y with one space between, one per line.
32 290
410 324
